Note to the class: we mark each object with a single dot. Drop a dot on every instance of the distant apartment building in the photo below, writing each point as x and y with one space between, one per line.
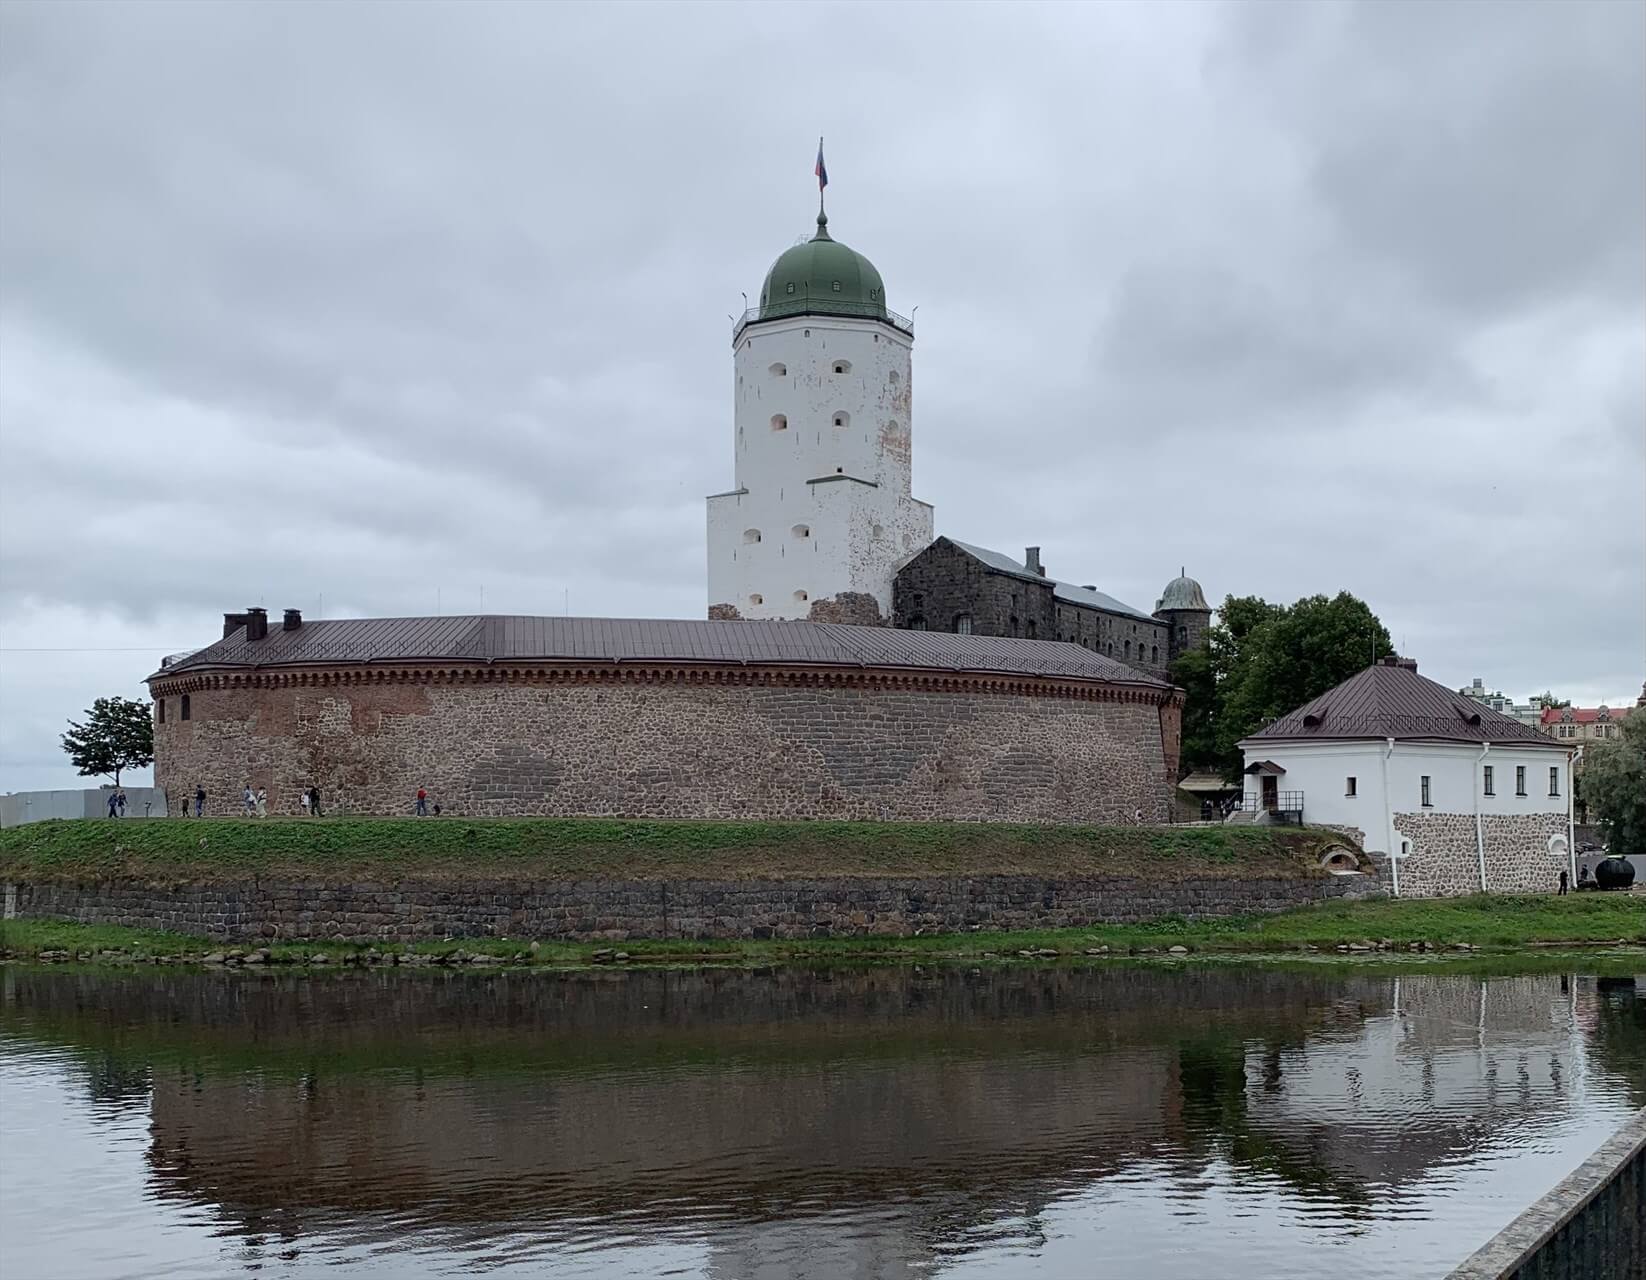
1528 713
1584 724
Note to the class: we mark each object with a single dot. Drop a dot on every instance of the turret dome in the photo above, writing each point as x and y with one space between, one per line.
821 275
1183 592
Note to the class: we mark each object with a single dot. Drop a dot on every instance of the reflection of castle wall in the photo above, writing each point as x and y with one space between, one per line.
843 1131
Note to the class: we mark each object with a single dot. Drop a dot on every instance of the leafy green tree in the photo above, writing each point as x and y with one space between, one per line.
1548 699
118 734
1614 786
1261 660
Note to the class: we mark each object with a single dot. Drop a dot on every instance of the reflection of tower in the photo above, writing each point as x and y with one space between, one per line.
821 517
1183 608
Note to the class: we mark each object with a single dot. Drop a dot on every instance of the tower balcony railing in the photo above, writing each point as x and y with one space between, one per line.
821 307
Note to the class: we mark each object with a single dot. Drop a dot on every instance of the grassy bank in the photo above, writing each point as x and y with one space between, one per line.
1483 923
183 851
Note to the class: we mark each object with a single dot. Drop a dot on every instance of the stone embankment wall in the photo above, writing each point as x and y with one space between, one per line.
736 745
413 910
1445 860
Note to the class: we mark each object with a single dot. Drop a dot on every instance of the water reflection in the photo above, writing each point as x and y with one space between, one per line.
862 1124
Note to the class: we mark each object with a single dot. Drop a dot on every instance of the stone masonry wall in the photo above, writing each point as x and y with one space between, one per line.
698 909
668 749
1444 862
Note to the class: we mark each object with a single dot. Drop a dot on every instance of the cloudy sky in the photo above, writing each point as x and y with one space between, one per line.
394 307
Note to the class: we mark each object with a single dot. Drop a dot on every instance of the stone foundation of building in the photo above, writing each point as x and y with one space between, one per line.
1444 860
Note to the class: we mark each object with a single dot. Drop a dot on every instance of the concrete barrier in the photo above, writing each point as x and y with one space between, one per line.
1591 1227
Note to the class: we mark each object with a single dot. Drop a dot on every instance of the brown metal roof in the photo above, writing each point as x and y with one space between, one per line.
1395 702
488 639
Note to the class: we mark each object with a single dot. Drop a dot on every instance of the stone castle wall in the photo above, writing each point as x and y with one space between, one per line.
1444 860
645 745
616 910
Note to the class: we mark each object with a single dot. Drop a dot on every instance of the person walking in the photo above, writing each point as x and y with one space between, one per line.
199 800
314 802
248 799
1565 880
303 799
114 797
120 802
422 803
262 803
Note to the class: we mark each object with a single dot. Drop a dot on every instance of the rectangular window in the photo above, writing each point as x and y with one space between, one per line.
1520 779
1554 779
1427 802
183 702
160 711
1486 780
963 625
1348 786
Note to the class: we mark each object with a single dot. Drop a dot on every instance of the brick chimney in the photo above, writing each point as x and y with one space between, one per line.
1031 561
292 620
257 624
232 622
1394 660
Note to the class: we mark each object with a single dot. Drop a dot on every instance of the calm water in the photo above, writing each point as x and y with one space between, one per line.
1107 1122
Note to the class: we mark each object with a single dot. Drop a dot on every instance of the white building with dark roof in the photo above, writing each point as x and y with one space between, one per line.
1455 797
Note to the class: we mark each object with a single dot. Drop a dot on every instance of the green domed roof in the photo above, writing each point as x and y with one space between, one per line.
1183 593
822 276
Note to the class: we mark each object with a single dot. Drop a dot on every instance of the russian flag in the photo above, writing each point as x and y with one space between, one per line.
821 172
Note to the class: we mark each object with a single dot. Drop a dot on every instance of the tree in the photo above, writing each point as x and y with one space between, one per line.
1548 699
1261 660
1614 786
118 734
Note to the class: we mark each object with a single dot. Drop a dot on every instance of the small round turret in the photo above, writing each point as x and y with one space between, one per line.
1182 607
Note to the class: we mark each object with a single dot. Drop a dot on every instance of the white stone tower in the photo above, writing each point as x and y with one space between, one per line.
821 517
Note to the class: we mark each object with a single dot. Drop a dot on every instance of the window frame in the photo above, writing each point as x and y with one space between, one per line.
1426 791
1488 781
963 624
1351 787
1520 779
1554 781
185 710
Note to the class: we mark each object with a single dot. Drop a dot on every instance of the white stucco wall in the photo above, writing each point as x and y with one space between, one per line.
1319 770
840 468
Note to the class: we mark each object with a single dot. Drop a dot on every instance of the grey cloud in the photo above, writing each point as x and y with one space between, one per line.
398 305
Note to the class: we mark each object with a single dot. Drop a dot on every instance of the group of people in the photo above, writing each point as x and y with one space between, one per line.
117 803
255 803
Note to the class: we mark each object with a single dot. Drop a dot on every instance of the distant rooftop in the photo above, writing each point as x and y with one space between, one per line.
1089 596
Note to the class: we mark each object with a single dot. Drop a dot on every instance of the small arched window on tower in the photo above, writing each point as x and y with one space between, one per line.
1154 653
756 598
842 366
1128 650
183 710
780 422
160 711
837 286
779 370
896 377
801 531
842 419
917 623
1182 635
800 597
791 286
751 535
963 624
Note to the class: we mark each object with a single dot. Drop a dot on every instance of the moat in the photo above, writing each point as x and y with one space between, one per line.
1117 1120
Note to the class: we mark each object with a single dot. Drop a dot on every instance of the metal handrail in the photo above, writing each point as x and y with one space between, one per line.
822 307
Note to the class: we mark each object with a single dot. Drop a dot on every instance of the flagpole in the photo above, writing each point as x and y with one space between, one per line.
820 212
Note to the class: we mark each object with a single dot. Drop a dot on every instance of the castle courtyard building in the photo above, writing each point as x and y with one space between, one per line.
1452 796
